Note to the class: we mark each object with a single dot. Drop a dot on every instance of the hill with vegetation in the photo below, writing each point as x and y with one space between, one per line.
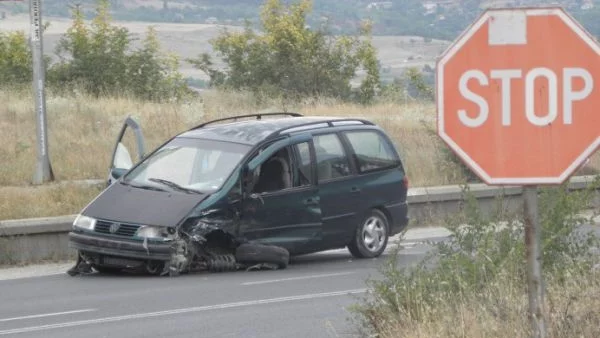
435 19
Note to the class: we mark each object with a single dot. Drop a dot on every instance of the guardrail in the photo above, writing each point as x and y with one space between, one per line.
38 239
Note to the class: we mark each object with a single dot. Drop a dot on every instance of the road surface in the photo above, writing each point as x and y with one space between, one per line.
308 299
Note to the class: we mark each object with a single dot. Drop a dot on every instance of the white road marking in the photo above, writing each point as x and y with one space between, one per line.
46 315
298 278
180 311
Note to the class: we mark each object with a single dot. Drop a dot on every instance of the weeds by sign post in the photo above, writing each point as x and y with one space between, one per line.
43 170
520 108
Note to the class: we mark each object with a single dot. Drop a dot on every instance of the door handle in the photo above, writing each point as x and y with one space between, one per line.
355 190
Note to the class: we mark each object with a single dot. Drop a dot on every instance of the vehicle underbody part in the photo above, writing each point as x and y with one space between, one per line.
180 259
197 250
256 254
222 263
154 267
81 267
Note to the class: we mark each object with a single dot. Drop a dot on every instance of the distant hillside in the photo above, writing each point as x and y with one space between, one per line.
435 19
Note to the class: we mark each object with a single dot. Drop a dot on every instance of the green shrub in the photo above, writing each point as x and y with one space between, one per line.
98 59
15 59
480 273
292 60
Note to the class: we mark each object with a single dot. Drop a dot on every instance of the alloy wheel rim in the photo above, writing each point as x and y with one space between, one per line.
374 233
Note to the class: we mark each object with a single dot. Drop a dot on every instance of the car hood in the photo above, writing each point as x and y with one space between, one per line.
127 204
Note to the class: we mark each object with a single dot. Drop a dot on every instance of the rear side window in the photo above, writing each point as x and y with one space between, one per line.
331 158
372 151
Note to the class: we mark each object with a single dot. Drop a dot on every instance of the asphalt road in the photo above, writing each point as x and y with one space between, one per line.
308 299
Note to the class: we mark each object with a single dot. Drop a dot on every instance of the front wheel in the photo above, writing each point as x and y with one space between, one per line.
371 236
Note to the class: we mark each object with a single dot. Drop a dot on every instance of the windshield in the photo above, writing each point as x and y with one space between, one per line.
189 165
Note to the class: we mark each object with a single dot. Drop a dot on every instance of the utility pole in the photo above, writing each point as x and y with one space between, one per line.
43 171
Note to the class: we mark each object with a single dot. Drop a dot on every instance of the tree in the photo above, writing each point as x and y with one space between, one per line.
292 60
15 59
152 74
98 59
94 57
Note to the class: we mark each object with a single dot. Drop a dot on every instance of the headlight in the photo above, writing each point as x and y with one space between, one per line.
154 232
84 222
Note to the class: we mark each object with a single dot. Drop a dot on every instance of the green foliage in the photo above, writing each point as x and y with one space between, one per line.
97 58
406 17
151 74
449 159
291 60
485 254
15 59
415 80
562 242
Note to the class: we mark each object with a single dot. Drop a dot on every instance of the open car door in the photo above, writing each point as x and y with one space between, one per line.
121 160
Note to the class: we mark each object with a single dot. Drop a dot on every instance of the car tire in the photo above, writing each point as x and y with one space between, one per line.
371 235
251 253
154 268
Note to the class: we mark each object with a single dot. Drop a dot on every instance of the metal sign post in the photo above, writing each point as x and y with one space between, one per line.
43 171
534 261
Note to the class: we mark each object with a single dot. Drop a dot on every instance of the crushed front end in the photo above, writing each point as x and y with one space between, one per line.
205 242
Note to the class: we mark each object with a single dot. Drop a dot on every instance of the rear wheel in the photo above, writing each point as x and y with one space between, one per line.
371 236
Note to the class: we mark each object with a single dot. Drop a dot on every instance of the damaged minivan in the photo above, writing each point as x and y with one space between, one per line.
244 192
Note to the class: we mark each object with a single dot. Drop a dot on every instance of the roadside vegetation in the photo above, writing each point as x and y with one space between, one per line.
82 130
99 79
96 58
475 284
287 59
406 17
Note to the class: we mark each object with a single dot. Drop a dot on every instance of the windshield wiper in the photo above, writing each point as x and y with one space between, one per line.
141 186
173 185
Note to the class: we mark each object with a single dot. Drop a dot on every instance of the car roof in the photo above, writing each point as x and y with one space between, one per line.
252 132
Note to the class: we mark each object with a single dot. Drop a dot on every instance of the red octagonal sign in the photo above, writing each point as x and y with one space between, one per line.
518 96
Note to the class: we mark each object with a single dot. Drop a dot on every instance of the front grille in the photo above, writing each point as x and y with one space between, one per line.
127 230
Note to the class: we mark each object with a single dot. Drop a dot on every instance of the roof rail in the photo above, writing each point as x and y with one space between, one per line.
330 123
258 117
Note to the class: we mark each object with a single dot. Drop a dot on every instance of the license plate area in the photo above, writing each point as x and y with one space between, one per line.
119 261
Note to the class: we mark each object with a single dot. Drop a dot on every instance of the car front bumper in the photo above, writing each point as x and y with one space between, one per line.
100 245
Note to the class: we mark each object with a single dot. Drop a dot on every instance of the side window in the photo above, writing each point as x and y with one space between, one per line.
303 170
287 168
371 150
331 158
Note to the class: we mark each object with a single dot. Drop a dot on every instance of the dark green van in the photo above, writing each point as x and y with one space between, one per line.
245 190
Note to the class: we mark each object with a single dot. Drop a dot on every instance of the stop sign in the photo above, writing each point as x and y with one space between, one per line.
518 96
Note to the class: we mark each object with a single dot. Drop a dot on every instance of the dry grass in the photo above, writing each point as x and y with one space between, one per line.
82 130
50 200
501 311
